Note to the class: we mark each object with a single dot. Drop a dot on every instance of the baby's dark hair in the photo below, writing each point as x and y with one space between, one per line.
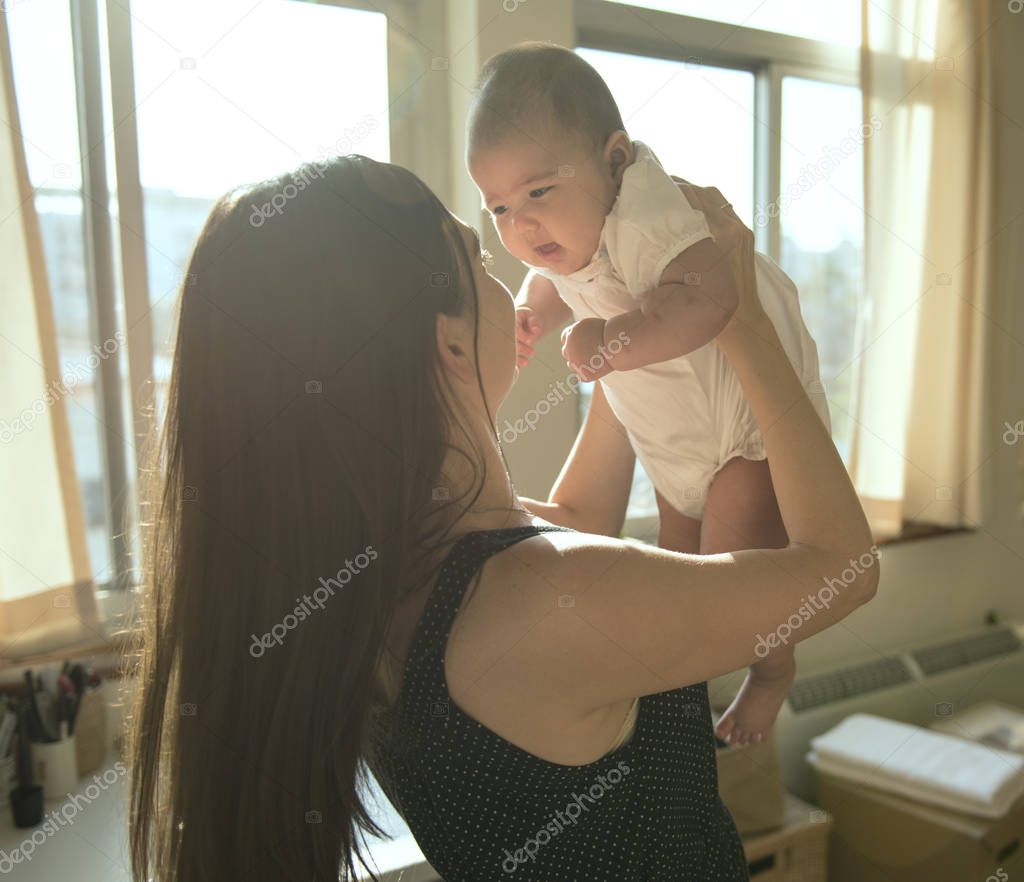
540 84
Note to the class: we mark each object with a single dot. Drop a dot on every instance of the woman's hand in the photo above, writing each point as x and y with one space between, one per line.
736 243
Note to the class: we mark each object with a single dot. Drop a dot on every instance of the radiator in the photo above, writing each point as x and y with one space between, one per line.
919 686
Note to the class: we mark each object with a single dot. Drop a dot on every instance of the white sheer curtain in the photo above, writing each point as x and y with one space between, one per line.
46 592
922 405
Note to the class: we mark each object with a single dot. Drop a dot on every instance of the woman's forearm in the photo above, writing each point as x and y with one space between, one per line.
550 511
816 498
559 513
591 493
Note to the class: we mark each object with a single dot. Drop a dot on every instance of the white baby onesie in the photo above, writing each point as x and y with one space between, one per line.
688 416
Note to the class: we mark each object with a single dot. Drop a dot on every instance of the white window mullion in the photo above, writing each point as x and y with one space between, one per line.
134 274
767 159
100 278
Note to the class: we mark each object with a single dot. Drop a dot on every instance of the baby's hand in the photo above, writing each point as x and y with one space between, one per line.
528 328
583 349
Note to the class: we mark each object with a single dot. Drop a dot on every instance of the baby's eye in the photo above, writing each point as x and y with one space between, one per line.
540 191
498 209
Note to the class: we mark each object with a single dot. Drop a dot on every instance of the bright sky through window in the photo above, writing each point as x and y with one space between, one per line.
226 93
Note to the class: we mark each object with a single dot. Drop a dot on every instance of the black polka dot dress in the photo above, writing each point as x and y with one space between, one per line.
482 808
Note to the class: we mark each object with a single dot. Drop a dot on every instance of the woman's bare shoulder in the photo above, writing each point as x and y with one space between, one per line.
533 575
593 620
536 575
563 555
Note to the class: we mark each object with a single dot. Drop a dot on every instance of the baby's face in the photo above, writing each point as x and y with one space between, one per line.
548 200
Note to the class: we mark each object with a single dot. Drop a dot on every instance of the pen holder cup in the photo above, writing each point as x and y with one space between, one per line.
90 732
56 768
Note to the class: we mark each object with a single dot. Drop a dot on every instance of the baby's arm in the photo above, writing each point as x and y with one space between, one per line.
687 310
539 310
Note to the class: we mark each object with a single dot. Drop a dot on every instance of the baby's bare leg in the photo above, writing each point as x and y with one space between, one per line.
676 531
741 512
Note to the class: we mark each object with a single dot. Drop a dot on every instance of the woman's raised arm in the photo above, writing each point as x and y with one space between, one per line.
592 490
645 620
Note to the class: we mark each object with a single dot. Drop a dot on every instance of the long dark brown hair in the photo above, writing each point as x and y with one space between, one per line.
306 427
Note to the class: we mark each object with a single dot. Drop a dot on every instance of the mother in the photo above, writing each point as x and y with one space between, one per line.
328 482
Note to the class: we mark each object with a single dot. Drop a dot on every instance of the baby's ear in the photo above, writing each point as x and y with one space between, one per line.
618 154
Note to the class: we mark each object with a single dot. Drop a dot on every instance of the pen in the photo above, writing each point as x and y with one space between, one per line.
7 727
46 708
26 778
33 726
77 676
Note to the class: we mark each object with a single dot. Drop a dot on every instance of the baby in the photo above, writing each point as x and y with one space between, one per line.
613 243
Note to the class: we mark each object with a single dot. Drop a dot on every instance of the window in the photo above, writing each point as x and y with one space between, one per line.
820 210
45 85
772 121
230 93
670 106
224 94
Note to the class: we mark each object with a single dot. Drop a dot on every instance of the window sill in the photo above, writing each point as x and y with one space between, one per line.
105 654
914 531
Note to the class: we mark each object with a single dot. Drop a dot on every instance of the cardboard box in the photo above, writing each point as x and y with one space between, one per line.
750 785
798 852
879 836
988 722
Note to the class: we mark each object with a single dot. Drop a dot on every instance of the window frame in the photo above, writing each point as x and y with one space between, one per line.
123 272
769 55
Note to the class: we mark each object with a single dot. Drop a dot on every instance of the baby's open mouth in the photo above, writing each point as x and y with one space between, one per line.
548 248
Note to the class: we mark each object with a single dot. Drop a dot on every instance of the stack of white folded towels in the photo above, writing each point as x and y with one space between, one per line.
920 764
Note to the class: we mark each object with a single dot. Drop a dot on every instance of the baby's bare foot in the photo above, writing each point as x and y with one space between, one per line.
750 716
